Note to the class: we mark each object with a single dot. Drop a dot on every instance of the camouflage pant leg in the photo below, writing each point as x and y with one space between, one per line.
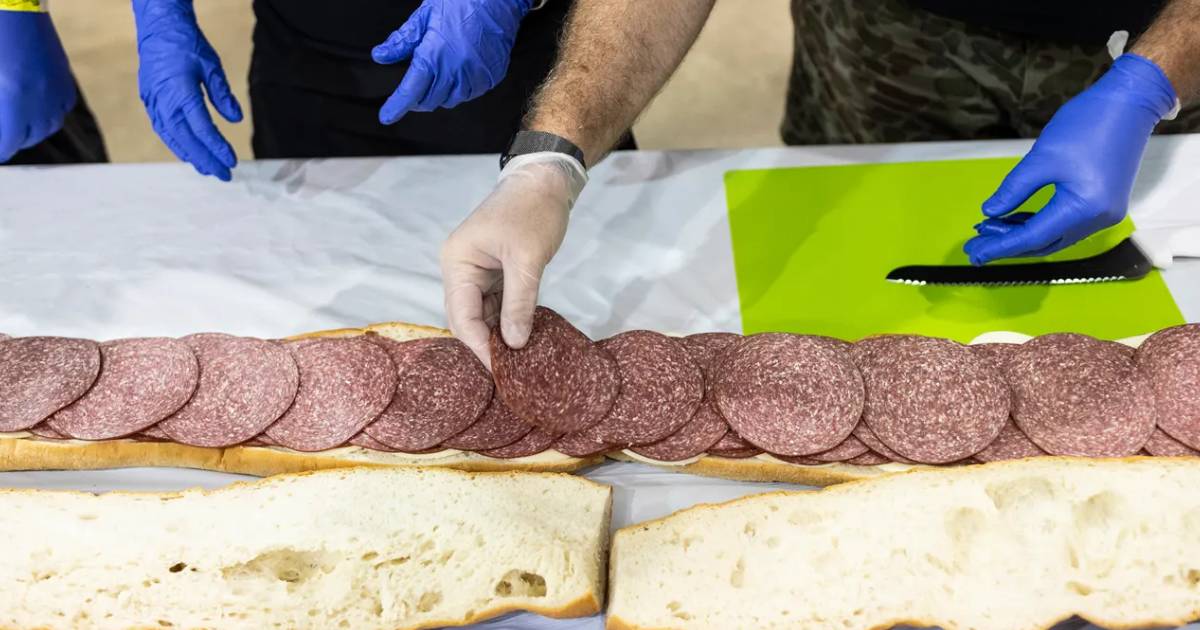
884 71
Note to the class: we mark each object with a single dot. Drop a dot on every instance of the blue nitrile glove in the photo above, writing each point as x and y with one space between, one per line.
459 51
175 59
36 89
1090 152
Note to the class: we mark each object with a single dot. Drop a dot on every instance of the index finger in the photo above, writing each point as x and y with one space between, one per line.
464 313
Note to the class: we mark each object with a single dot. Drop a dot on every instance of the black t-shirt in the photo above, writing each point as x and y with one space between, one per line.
1082 21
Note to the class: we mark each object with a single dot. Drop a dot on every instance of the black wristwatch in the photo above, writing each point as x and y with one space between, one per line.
525 142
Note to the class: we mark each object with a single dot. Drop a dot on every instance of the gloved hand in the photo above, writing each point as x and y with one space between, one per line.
36 88
459 51
175 59
492 263
1090 152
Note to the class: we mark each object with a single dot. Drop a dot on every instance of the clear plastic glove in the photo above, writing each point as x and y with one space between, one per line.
1090 151
459 51
175 60
36 89
492 263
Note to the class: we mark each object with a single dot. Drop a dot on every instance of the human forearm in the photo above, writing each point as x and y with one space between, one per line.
615 56
1173 43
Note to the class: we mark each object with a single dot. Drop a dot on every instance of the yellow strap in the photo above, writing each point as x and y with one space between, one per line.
33 6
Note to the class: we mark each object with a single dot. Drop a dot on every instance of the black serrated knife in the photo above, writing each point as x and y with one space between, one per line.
1131 259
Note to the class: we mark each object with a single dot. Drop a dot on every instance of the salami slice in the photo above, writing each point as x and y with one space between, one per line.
931 400
1170 358
498 426
154 433
850 448
245 385
869 458
735 453
799 459
864 434
43 430
661 388
705 350
1011 443
1076 395
534 442
345 383
789 394
142 381
560 381
1163 445
583 443
40 375
701 433
363 440
731 441
260 440
442 390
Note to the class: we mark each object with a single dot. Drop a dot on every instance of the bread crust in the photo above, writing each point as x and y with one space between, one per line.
754 469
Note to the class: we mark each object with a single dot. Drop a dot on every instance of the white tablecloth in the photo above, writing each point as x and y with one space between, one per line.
291 246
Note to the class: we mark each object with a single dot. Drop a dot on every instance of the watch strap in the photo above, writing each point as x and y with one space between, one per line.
526 142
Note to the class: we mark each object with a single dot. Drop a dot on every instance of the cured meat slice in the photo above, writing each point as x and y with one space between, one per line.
706 348
864 434
260 440
1163 445
1170 358
141 382
869 458
442 389
931 400
850 448
154 433
498 426
701 433
1077 395
534 442
661 388
581 444
1011 443
40 375
789 394
999 355
345 383
560 381
245 385
731 441
43 430
735 453
363 440
799 459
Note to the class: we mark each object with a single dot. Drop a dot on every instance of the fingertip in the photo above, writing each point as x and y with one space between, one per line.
382 54
515 334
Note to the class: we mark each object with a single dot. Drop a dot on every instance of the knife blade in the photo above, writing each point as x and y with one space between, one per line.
1125 261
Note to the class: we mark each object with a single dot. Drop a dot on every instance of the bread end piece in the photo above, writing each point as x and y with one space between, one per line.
1015 545
360 548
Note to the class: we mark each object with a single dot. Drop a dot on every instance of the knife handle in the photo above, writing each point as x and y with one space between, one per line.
1161 245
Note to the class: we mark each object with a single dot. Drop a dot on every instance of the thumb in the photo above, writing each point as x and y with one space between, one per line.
522 278
1026 178
221 96
401 43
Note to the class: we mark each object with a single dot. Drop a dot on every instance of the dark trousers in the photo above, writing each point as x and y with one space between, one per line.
79 141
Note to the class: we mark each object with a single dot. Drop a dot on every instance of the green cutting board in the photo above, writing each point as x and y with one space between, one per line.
812 245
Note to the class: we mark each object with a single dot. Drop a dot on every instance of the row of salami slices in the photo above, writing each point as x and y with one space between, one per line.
810 400
217 390
801 398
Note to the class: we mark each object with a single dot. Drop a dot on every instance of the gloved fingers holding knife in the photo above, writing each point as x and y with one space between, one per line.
1092 147
177 66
